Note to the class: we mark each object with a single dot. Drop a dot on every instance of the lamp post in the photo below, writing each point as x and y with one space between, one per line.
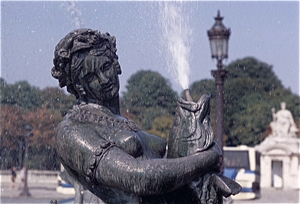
25 191
218 37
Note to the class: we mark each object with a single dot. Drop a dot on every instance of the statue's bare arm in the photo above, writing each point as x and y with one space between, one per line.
154 176
78 147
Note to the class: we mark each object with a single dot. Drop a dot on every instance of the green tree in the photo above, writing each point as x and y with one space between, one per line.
56 100
21 94
148 96
2 82
162 127
251 89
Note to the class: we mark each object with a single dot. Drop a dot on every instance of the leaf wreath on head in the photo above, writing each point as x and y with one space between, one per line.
78 44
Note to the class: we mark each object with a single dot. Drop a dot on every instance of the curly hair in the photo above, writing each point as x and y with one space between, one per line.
71 51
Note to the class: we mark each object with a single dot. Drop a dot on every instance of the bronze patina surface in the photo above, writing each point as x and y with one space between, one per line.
111 156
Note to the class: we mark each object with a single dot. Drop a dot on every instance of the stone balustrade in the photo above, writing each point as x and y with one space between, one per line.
34 176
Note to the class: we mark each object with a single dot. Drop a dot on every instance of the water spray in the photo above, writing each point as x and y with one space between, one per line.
176 33
75 14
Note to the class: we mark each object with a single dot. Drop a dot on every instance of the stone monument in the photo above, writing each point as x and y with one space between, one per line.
279 158
111 156
283 124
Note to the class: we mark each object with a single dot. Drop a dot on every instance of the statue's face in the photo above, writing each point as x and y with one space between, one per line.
99 78
283 105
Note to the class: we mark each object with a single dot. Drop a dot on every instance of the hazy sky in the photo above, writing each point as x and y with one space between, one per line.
266 30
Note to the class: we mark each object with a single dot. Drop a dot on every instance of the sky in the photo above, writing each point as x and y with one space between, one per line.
266 30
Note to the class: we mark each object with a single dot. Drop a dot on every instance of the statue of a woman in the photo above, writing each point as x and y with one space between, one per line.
107 153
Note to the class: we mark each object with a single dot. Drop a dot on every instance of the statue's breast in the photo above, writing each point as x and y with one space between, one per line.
126 140
138 144
129 142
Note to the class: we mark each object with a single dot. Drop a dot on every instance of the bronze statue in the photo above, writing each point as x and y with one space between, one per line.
110 155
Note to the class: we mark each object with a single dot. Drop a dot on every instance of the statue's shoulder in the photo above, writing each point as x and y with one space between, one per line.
87 113
65 128
72 122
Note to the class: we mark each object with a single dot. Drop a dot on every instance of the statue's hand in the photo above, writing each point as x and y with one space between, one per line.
211 188
226 186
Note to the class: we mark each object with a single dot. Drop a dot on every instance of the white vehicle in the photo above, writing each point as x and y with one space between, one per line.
242 164
62 186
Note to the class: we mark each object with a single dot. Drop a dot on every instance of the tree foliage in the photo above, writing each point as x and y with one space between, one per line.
251 89
23 104
56 100
20 94
162 127
148 96
44 123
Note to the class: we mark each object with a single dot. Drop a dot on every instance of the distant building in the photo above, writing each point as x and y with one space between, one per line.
280 153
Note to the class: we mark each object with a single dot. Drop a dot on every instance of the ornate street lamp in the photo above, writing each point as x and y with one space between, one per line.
28 128
218 37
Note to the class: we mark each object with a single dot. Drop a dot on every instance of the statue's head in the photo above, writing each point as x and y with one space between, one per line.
85 61
283 105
